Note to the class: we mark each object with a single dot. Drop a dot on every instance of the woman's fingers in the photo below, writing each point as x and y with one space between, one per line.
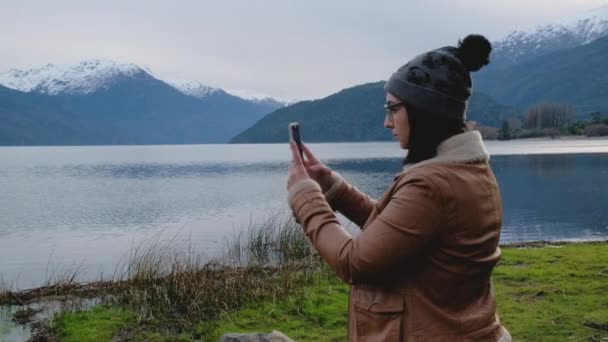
319 168
295 153
297 170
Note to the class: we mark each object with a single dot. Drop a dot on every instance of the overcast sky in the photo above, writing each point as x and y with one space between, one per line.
283 48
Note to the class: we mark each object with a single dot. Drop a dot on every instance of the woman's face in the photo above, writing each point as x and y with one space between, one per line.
396 120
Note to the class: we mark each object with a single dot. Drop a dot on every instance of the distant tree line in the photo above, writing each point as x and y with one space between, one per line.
547 120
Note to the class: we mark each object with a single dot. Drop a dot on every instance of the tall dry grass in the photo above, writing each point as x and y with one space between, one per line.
269 259
277 240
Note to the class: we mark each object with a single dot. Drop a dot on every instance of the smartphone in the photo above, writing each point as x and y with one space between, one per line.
294 135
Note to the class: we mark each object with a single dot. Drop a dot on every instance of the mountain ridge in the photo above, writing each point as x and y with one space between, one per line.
577 76
352 114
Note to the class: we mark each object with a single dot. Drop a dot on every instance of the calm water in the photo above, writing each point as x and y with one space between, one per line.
63 208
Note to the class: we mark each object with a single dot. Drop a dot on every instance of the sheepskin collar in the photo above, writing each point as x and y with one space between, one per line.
467 147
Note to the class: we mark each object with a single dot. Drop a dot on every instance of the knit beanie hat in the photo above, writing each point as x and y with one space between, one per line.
439 81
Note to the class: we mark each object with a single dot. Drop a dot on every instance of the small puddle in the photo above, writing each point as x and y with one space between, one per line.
13 332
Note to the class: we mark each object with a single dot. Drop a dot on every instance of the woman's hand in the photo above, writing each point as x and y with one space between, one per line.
317 170
297 170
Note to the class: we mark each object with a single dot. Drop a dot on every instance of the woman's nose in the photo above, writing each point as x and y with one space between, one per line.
388 123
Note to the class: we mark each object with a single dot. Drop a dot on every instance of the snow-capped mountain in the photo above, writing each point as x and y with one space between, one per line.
84 78
92 75
196 89
261 98
104 102
269 101
519 46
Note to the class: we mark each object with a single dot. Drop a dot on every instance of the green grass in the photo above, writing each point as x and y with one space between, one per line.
550 294
543 294
99 324
318 314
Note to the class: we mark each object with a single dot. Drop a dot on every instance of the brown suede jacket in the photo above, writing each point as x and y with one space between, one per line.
420 268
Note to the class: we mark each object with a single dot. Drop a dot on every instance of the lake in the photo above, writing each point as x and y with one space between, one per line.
86 208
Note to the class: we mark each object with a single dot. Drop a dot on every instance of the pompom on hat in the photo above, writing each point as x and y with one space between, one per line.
439 81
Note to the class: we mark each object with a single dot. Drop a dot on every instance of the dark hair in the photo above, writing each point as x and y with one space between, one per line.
427 131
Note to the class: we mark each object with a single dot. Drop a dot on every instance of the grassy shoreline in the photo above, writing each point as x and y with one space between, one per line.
546 291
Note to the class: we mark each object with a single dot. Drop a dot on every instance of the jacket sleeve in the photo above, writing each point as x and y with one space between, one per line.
394 238
349 200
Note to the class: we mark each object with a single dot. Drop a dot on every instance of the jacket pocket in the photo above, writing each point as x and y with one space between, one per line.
378 316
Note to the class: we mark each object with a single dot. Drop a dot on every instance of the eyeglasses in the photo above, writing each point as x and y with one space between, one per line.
392 108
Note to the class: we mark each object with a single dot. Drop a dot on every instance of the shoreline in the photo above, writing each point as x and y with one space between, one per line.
95 288
545 138
100 285
545 243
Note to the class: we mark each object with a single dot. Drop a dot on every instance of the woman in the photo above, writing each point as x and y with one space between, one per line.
420 268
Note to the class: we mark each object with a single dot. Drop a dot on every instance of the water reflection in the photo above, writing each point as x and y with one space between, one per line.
552 165
553 196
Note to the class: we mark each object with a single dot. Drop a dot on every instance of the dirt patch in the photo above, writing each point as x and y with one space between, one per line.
596 325
140 333
127 334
